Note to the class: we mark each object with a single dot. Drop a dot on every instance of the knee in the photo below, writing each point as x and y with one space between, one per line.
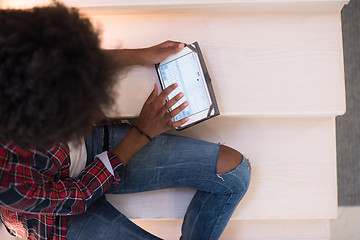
228 159
238 181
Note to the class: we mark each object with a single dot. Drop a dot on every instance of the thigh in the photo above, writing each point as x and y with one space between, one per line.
103 222
94 143
168 161
100 140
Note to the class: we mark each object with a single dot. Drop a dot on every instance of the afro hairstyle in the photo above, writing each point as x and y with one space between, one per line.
54 77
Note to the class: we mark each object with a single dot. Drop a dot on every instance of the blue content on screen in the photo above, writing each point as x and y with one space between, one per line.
185 71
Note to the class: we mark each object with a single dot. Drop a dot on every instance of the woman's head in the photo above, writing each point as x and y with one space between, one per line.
53 75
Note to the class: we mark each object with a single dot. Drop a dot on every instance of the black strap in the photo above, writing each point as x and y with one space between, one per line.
106 144
142 133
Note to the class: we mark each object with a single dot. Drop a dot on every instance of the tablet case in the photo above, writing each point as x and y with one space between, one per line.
214 109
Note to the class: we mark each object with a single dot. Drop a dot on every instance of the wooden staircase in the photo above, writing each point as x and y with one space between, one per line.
277 70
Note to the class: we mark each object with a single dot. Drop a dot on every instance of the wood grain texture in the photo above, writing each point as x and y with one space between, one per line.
261 64
293 176
249 229
238 229
115 6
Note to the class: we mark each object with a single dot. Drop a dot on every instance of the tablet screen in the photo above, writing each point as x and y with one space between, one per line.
186 72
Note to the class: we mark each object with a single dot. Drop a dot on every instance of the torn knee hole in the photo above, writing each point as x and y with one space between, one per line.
249 165
228 159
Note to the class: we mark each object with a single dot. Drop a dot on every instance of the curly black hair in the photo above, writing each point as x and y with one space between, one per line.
54 77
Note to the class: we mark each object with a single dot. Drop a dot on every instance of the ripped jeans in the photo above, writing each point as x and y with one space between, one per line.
168 161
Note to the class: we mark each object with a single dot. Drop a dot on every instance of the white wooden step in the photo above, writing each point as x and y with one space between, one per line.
4 235
346 226
238 229
293 176
249 229
262 65
126 6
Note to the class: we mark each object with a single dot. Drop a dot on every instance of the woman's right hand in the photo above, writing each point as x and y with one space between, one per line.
156 116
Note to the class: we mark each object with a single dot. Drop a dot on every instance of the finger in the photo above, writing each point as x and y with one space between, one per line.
180 47
178 123
164 94
173 101
173 47
153 94
177 110
170 43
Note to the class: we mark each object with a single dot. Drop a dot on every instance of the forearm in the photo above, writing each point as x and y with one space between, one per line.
125 57
130 145
153 120
144 56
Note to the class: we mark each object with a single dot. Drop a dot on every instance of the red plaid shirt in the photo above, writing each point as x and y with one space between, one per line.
37 194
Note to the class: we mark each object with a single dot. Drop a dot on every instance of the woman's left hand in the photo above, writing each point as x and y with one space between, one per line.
143 56
158 53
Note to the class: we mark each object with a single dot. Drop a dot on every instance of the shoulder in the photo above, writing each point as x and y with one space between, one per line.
37 161
15 155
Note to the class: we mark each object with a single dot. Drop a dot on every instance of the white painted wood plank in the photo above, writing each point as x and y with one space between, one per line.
346 226
294 171
249 229
239 229
261 64
4 235
115 6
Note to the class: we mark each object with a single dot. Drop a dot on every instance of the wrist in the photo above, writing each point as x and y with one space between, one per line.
139 56
143 133
131 143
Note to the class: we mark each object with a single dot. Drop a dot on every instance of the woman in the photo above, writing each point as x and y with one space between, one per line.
55 81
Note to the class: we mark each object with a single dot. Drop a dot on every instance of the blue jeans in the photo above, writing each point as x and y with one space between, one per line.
168 161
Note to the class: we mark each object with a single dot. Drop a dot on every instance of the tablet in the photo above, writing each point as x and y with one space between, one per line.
187 69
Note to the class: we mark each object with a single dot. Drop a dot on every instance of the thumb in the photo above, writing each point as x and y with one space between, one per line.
174 47
178 47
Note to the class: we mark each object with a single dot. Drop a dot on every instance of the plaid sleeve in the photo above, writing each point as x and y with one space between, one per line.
117 165
23 189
